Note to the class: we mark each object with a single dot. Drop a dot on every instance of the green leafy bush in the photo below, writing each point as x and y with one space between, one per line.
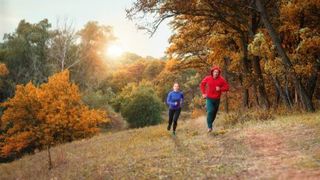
142 107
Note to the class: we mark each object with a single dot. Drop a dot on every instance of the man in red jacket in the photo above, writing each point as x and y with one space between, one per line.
211 87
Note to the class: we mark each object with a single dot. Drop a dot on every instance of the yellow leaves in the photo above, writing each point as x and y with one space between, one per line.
216 56
53 113
171 64
261 47
290 10
293 13
217 40
235 65
190 36
274 66
310 44
303 69
90 119
222 46
305 54
20 108
3 70
59 84
256 46
16 143
173 47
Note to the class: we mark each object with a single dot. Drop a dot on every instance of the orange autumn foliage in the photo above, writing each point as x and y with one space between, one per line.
44 116
3 70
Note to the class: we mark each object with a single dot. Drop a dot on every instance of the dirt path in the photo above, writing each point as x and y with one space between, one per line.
273 157
271 153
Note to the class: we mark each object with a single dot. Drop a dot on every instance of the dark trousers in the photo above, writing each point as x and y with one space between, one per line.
173 117
212 109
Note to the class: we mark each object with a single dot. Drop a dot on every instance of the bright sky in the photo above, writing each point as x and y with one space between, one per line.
107 12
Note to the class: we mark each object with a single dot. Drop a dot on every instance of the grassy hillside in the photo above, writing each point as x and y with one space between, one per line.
285 148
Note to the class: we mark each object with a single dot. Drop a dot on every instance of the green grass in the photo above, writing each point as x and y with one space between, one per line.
285 147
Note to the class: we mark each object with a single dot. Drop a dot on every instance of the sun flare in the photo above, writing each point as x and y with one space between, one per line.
114 50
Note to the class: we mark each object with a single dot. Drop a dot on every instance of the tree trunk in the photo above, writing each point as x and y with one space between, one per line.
281 92
288 92
312 82
49 158
260 83
255 95
307 102
245 70
277 98
296 96
255 21
225 75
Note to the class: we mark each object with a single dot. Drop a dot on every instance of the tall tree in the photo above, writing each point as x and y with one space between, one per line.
306 100
45 116
92 69
64 51
26 52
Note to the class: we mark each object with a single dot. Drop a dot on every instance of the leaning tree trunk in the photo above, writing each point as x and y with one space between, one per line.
288 92
307 102
281 92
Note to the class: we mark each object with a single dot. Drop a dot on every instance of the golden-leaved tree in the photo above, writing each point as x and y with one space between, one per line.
38 117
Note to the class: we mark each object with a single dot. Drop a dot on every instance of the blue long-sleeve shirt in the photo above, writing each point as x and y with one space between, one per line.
173 98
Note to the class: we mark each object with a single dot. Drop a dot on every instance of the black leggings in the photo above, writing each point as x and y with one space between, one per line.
173 116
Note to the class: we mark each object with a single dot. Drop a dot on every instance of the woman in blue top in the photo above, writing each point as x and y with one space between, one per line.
174 100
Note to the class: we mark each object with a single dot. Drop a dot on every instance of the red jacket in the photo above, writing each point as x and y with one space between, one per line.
208 85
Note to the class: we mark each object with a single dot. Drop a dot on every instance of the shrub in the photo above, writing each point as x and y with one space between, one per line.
143 107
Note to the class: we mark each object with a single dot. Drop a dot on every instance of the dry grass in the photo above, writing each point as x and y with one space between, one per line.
287 147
